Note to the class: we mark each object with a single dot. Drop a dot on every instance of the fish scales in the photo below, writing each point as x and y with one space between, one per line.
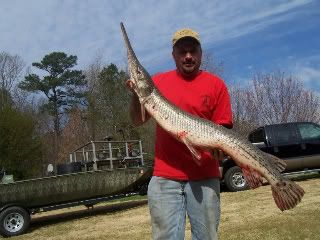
185 123
191 125
201 133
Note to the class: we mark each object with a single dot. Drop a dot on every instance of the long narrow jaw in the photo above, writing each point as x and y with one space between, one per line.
139 76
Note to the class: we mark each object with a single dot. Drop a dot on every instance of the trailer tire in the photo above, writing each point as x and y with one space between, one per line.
14 221
235 180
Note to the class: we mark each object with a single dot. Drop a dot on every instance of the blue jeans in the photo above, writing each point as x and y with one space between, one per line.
170 200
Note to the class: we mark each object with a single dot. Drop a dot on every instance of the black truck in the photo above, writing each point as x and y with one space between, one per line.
297 143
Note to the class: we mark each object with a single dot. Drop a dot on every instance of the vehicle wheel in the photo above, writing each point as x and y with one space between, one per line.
234 179
14 221
143 189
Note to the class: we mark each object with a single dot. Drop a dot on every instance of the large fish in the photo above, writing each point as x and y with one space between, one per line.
197 133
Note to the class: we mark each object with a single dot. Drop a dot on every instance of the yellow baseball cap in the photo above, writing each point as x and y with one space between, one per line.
185 32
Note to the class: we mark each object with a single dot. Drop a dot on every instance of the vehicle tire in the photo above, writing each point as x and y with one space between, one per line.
143 189
235 180
14 221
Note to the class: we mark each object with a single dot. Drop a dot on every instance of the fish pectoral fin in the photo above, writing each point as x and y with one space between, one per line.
277 162
218 154
143 109
143 113
253 178
195 153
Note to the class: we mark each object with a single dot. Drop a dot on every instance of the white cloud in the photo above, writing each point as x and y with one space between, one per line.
308 70
34 28
309 74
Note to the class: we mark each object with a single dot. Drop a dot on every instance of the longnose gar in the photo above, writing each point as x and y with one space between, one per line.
197 133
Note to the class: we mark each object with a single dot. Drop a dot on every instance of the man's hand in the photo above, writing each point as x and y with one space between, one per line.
130 85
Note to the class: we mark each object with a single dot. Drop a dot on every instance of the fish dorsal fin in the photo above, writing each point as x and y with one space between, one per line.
275 162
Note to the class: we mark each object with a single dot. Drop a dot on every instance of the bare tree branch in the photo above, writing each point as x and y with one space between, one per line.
273 98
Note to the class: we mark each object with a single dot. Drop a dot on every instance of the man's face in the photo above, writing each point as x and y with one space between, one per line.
187 54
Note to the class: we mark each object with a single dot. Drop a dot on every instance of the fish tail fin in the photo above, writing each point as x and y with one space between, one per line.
286 194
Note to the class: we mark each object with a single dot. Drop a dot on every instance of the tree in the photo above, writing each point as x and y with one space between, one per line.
5 99
273 98
108 103
92 74
107 98
115 95
245 116
74 134
63 87
20 145
281 98
11 67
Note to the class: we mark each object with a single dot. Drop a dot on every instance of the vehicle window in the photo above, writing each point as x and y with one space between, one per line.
284 135
309 131
257 136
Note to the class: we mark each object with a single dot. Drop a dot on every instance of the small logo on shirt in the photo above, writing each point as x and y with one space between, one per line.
206 101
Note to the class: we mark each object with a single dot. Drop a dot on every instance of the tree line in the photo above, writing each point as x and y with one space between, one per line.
45 116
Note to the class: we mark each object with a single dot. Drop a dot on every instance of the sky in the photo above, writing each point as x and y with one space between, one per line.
248 37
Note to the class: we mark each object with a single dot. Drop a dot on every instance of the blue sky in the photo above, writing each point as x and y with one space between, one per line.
247 36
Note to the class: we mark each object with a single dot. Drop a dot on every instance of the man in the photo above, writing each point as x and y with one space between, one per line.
180 185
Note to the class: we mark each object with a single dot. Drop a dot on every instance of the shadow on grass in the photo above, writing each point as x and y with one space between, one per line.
39 222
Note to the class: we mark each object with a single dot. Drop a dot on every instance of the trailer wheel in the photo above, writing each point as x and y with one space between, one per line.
235 180
14 221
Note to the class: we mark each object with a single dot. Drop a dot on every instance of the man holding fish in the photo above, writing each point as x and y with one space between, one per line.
193 113
183 183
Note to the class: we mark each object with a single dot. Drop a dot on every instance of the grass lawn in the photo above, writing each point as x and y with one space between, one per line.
248 215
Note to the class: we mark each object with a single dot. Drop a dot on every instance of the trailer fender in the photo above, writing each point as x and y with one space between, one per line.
13 205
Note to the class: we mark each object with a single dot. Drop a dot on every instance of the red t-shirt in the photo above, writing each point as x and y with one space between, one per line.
205 96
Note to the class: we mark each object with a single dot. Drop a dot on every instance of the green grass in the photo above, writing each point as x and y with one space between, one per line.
295 226
252 215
